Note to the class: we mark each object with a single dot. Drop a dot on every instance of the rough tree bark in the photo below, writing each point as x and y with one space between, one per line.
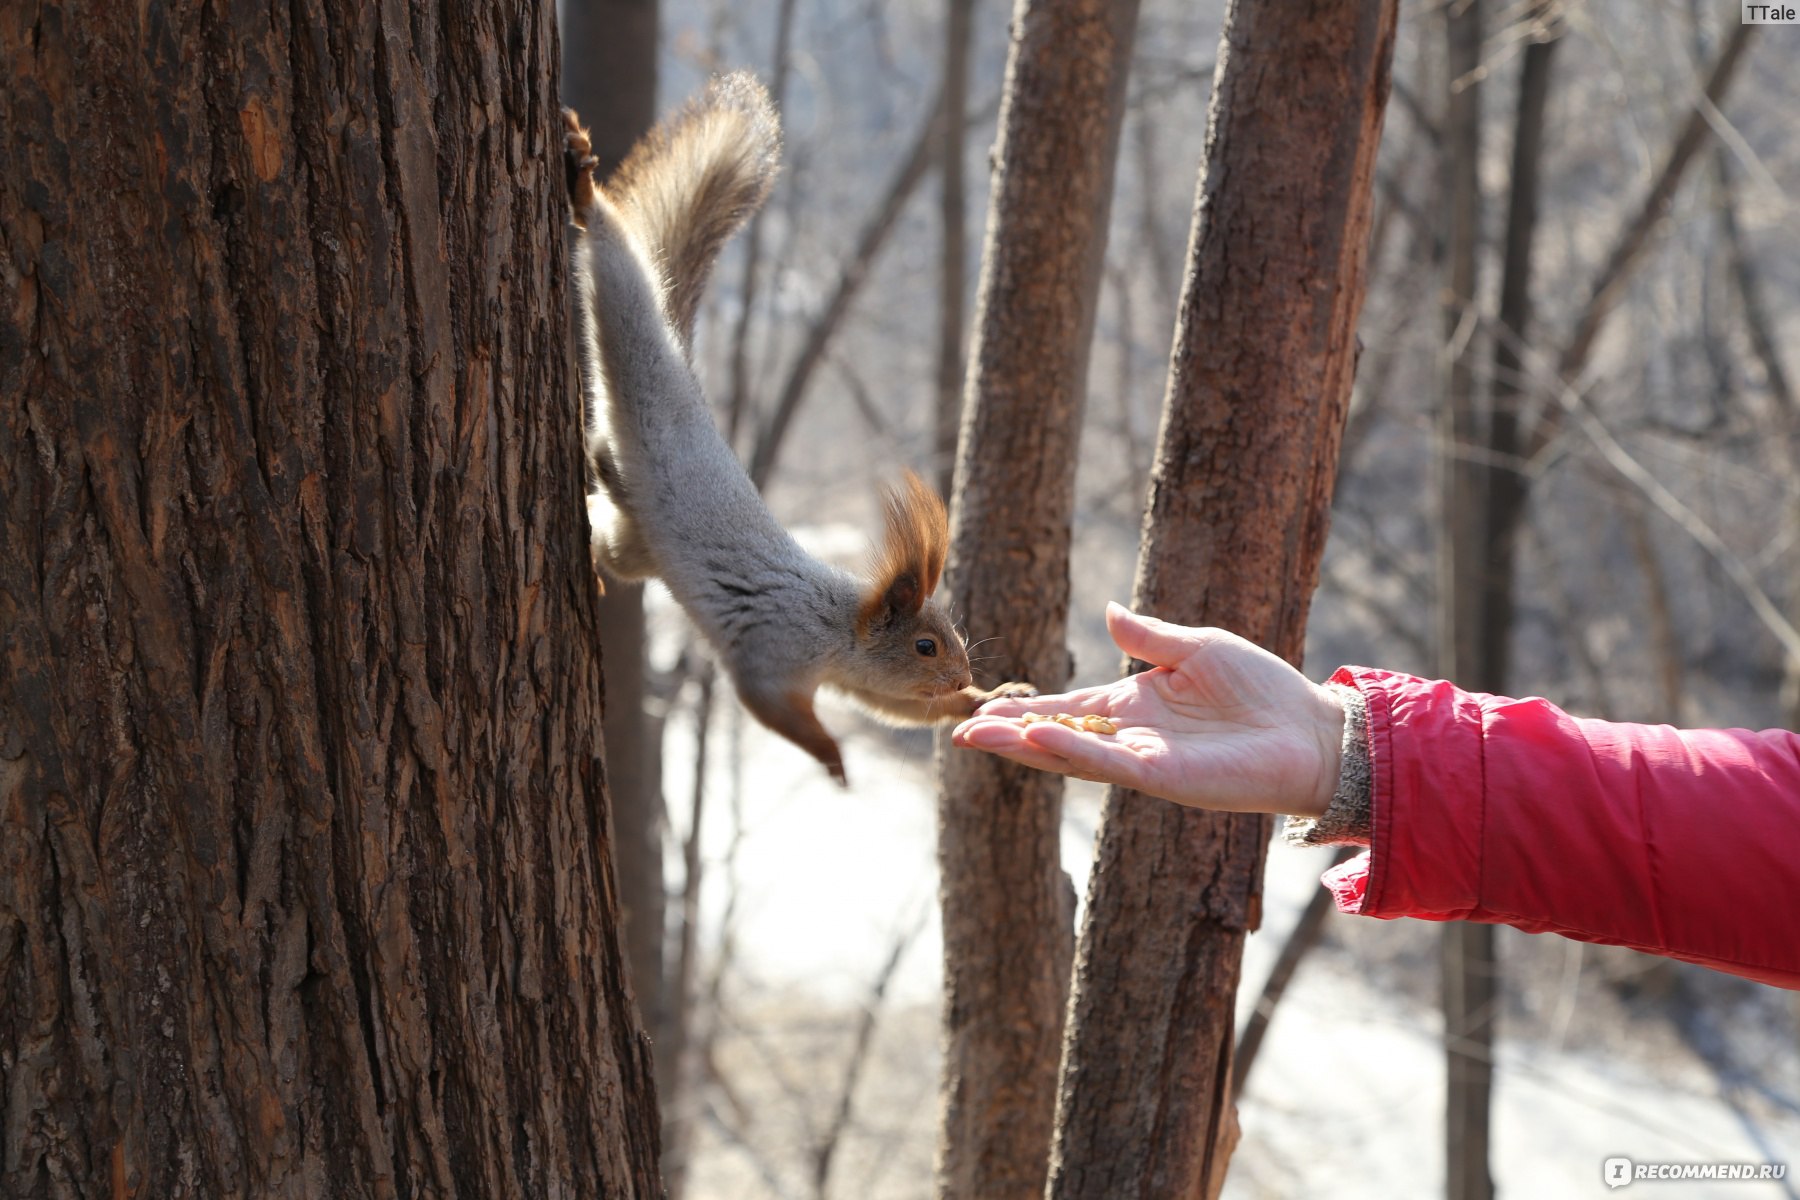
609 77
304 866
1259 383
1007 906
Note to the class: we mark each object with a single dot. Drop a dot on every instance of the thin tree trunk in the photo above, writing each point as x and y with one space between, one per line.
674 1056
609 66
1007 905
959 26
1460 561
1300 942
738 404
1259 384
305 875
634 740
609 77
1505 482
1469 971
1759 327
1508 504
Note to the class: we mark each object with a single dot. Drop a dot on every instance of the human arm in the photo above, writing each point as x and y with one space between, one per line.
1684 843
1484 808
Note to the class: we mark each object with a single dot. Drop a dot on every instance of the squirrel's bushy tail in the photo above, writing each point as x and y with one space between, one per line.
695 179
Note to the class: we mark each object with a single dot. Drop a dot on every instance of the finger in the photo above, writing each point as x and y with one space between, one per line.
984 731
1148 639
1006 739
1089 755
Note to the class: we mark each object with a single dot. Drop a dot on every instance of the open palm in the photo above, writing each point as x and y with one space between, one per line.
1216 722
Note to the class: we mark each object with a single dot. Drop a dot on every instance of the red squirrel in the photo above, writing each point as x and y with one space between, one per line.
674 502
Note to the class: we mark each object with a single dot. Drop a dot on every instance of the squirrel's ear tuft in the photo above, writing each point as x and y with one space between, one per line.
911 558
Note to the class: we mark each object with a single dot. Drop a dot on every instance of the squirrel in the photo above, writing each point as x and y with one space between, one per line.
674 502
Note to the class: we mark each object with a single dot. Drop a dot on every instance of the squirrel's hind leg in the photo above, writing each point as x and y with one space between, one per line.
618 543
790 713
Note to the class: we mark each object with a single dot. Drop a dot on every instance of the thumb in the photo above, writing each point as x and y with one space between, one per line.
1147 639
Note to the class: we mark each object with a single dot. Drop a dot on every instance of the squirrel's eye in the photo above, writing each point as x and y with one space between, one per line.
925 646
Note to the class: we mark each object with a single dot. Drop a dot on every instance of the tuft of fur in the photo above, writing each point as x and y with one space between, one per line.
910 559
694 180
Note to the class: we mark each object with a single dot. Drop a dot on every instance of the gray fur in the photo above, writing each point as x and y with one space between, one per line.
673 500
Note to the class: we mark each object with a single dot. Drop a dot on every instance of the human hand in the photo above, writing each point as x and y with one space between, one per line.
1216 722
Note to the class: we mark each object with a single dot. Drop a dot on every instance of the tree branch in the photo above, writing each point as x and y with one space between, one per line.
855 272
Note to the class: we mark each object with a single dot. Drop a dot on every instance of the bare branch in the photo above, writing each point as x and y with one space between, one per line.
1744 277
905 181
1690 522
739 395
828 1142
1634 235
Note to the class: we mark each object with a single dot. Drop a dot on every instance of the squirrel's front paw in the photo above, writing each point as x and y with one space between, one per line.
964 703
1009 691
578 164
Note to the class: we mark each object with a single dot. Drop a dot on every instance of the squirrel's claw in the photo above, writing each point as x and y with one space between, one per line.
1011 691
578 165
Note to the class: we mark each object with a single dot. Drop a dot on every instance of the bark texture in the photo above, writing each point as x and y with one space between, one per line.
1007 905
1258 387
304 875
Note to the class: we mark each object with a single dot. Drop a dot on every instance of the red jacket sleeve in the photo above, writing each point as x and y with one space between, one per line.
1678 842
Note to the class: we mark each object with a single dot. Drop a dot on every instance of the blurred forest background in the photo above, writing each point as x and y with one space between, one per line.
791 974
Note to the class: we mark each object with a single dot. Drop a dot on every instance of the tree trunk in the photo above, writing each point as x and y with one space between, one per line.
634 744
1469 970
1258 387
959 32
609 77
609 66
1007 906
305 883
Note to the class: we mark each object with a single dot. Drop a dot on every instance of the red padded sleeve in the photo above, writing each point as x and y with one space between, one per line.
1678 842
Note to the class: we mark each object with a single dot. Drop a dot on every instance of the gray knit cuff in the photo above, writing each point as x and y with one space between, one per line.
1348 818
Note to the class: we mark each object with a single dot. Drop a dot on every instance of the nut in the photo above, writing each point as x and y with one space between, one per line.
1089 723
